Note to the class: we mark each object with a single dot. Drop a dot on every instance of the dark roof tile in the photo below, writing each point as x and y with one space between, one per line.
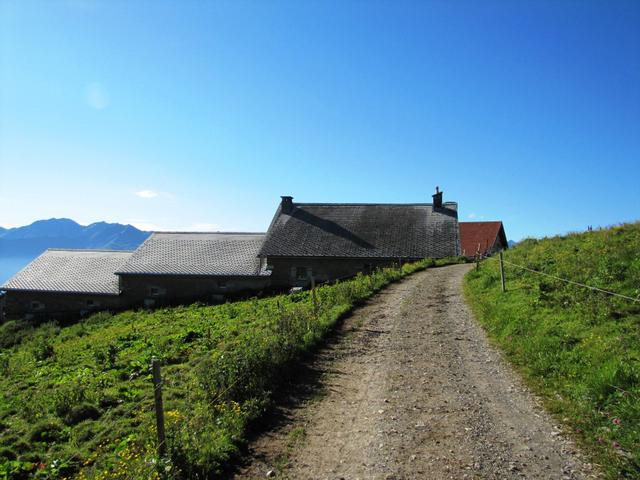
363 231
177 253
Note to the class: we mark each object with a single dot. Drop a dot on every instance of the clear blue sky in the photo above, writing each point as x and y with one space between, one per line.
199 115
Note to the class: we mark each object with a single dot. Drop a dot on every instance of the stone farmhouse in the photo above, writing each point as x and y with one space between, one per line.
328 241
305 241
171 268
60 283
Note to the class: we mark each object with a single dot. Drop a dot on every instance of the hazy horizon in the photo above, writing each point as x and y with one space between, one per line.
204 229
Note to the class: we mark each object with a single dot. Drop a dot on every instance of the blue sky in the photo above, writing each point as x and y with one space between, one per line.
199 115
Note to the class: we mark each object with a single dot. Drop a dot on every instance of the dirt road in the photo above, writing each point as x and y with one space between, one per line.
413 390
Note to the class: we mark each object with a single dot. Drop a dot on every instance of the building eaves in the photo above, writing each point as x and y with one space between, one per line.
73 271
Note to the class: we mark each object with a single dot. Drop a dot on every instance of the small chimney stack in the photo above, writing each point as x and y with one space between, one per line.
286 206
437 198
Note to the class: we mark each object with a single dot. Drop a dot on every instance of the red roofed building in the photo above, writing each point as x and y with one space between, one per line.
483 237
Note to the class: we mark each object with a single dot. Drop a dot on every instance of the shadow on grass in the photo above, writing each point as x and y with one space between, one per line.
300 384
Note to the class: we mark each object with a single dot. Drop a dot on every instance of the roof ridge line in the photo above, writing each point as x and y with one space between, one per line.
209 233
105 250
482 221
371 204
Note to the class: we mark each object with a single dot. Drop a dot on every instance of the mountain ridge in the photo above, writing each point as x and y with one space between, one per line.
66 233
20 245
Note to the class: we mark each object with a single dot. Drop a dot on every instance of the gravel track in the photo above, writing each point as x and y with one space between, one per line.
412 389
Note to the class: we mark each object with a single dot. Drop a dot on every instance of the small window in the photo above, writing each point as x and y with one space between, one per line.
222 284
36 305
157 291
301 273
92 304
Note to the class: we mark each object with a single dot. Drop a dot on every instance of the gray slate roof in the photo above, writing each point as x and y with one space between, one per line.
211 254
364 231
71 271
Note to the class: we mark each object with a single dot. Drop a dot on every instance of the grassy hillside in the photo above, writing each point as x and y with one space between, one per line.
78 401
579 349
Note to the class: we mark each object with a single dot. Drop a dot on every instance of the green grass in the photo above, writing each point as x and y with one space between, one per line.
578 349
77 401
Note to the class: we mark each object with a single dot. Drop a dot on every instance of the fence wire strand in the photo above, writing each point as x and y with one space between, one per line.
572 282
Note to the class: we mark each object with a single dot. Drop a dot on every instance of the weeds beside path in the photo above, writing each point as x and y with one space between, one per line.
76 401
578 348
413 390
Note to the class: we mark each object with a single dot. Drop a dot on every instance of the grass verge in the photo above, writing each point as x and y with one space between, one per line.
77 401
578 349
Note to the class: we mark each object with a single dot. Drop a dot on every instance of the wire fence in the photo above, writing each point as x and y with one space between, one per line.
566 280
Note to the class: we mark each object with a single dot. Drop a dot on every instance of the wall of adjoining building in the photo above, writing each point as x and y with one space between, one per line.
157 290
56 305
498 246
137 291
289 271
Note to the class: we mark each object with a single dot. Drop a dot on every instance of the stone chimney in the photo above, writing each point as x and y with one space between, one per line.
286 206
437 198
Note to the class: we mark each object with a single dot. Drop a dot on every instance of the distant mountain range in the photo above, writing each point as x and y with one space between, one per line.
18 246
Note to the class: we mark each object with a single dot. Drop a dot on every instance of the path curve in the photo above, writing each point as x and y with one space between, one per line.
413 390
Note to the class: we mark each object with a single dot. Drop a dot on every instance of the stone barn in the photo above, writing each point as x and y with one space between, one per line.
337 240
485 238
61 284
173 268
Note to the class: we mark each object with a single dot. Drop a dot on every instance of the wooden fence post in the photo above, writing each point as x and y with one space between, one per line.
313 293
502 272
157 393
